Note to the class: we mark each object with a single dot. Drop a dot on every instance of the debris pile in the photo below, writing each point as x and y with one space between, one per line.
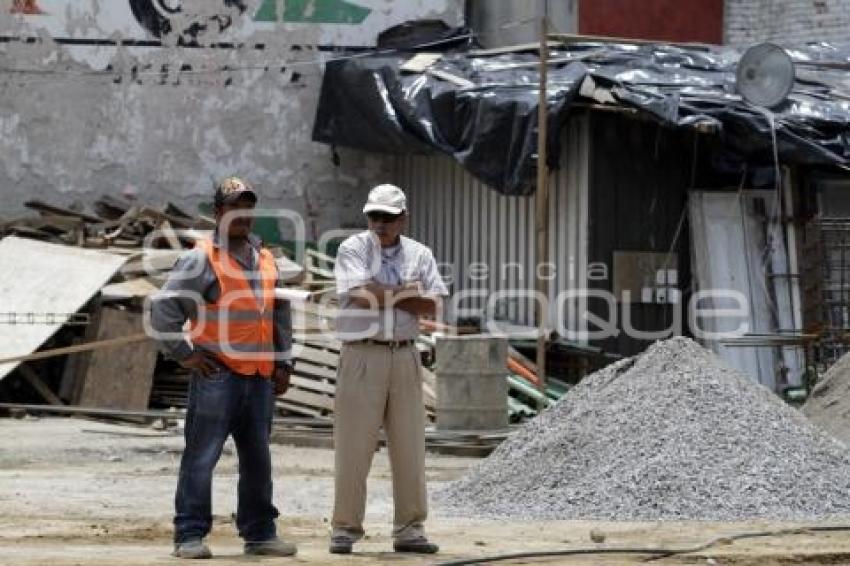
670 434
144 242
56 300
829 404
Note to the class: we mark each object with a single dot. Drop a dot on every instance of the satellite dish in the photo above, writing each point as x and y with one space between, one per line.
765 75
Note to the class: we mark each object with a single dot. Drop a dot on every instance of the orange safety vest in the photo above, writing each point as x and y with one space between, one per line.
238 328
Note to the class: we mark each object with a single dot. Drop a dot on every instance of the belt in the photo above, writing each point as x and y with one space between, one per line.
391 344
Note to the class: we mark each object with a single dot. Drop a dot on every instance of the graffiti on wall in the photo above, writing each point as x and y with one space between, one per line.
313 11
218 23
162 17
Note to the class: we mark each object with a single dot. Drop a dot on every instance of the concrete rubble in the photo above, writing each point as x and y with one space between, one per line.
670 434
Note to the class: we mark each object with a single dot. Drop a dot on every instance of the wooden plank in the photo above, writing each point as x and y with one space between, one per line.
462 450
449 77
297 409
311 370
39 385
120 377
420 62
80 360
512 48
43 207
85 347
310 384
318 422
331 344
531 64
316 356
320 256
176 221
310 399
566 38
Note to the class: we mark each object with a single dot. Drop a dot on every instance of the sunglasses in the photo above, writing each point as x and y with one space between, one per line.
383 217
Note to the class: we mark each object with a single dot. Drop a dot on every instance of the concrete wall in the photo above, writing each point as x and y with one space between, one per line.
94 99
786 21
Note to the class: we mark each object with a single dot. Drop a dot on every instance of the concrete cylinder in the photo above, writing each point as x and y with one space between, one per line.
472 389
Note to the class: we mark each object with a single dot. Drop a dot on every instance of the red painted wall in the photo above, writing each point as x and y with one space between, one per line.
663 20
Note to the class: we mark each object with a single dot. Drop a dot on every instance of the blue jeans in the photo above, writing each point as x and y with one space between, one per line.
220 405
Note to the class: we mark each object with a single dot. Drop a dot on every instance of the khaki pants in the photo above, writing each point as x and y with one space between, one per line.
379 386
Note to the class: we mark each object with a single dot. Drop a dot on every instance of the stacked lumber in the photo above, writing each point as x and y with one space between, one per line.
117 222
87 362
313 383
150 240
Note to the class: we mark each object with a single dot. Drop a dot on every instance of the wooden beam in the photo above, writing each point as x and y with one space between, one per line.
315 355
542 211
150 414
39 385
314 385
562 38
512 49
76 349
313 371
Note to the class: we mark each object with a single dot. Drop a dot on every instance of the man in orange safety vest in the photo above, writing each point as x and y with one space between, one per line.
238 350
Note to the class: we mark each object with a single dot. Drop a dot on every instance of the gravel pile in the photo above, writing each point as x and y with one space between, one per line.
829 404
671 434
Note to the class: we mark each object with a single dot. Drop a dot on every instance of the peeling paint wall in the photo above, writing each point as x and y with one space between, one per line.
93 102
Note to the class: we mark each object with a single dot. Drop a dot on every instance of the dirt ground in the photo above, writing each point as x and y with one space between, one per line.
75 491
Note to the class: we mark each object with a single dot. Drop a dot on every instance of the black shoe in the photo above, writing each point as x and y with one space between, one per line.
341 544
417 545
271 547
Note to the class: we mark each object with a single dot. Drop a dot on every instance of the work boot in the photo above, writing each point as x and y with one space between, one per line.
195 549
341 544
418 545
272 547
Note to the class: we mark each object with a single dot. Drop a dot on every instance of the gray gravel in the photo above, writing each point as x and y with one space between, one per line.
829 404
671 434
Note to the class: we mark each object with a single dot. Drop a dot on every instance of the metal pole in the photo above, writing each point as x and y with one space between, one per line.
542 210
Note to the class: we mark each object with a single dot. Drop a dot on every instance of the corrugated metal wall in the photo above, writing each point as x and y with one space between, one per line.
467 224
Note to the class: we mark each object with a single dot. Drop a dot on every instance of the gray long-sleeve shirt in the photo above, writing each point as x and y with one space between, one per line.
193 279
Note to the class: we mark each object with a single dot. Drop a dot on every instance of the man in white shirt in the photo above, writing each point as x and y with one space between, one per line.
386 282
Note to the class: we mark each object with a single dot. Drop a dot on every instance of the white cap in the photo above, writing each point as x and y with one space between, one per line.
386 198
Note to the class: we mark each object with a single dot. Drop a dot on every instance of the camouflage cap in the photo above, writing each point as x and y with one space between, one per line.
231 189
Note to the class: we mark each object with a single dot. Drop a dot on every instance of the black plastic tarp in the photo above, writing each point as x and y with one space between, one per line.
490 127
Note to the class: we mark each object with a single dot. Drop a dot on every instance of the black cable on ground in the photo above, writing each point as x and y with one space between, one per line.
656 553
